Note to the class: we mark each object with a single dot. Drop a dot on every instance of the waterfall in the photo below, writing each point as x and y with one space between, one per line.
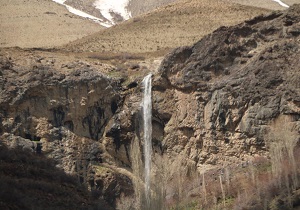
147 122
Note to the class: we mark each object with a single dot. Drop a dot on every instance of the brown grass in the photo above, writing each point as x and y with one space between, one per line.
178 24
265 3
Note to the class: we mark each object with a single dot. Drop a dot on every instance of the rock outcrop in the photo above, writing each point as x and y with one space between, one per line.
61 110
222 93
214 103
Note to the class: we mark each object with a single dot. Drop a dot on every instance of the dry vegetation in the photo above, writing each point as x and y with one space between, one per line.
263 183
174 25
270 183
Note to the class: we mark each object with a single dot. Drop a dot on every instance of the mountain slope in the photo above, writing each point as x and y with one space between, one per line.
171 26
40 23
114 11
268 4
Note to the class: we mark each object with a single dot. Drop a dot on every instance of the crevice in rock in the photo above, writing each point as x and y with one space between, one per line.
263 18
69 125
132 85
58 116
95 121
113 107
32 137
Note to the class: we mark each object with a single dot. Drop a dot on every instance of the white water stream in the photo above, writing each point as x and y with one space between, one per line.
147 121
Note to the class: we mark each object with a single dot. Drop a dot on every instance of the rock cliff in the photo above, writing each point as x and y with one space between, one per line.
222 94
61 110
214 103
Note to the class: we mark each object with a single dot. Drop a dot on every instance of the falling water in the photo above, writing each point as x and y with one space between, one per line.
147 119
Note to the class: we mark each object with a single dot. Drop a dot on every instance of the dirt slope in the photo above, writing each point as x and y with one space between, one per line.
40 23
268 4
171 26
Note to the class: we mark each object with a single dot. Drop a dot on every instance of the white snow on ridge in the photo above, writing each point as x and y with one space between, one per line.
86 15
115 6
59 1
83 14
281 3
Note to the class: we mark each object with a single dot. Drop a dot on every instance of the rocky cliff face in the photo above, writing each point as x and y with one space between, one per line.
213 104
62 110
222 94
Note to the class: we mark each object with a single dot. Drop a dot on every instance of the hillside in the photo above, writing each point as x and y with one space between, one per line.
171 26
98 8
43 23
267 4
40 23
135 7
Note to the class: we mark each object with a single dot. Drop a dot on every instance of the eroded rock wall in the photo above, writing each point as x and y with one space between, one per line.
222 94
61 111
214 103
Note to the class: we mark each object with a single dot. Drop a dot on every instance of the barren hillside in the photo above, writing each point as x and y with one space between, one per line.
171 26
40 23
268 4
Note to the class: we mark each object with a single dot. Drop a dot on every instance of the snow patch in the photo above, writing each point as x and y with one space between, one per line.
83 14
86 15
59 1
281 3
107 7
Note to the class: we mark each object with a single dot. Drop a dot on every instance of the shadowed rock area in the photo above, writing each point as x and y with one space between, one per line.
31 181
61 110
